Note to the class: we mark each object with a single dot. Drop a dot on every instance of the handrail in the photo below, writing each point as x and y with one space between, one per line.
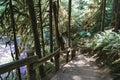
32 59
16 64
32 62
43 60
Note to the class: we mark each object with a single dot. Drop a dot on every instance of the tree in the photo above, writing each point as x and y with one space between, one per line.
69 22
35 33
15 42
117 23
51 31
41 27
59 39
103 14
116 15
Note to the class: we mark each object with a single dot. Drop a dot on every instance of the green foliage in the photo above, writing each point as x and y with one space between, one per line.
2 9
108 42
82 11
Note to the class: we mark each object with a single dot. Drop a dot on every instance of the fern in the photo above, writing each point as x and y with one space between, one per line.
106 41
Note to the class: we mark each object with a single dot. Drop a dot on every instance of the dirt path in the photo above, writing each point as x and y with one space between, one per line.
82 68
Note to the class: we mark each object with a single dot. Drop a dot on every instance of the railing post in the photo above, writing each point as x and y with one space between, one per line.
67 55
57 65
31 73
72 53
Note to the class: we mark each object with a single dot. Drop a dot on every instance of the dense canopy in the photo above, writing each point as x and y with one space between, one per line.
46 25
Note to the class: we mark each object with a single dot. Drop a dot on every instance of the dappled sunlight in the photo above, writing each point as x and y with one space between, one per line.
82 68
5 55
78 38
6 52
77 78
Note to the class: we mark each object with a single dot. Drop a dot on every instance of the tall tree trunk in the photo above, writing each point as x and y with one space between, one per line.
15 42
113 9
117 16
69 23
56 24
51 31
100 19
59 39
103 14
41 27
35 33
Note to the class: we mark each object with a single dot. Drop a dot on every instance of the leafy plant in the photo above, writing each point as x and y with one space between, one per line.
107 46
107 41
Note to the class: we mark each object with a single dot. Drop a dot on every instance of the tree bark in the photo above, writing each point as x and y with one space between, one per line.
59 39
116 15
41 27
69 22
51 31
15 42
103 14
117 20
35 33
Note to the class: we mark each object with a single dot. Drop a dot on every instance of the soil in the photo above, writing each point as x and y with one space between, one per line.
82 68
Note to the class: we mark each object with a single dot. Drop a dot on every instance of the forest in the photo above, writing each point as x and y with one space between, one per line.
39 35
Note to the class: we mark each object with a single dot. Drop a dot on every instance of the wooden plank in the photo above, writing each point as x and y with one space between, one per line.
43 60
13 65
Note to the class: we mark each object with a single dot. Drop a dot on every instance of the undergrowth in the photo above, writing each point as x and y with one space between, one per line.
106 46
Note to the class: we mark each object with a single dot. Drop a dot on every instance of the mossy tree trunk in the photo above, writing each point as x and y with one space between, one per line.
59 39
116 15
69 22
117 25
41 27
35 33
15 42
51 31
103 14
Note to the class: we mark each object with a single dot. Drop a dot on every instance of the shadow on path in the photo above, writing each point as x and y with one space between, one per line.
82 68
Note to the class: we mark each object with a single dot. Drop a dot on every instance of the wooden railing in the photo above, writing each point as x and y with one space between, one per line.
34 62
16 64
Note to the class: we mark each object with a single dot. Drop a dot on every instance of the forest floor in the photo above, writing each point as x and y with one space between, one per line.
82 68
